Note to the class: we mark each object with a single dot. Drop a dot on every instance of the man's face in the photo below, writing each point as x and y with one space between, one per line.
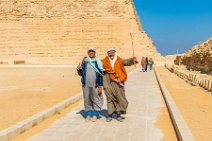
91 54
111 55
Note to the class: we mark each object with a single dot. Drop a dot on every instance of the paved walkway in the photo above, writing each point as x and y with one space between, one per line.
145 102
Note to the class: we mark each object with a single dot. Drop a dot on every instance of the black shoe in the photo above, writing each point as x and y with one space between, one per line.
119 118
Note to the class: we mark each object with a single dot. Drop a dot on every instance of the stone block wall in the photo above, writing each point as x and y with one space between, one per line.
60 31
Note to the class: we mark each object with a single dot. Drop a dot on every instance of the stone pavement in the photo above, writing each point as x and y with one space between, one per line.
145 102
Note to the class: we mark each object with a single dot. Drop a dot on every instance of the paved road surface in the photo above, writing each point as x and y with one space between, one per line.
145 102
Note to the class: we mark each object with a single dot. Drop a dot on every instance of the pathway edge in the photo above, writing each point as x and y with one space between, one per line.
15 130
182 130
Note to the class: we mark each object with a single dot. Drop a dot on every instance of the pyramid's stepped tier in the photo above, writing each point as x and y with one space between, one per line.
60 31
199 57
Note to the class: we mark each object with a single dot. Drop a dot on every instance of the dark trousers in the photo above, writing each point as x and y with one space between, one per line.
146 68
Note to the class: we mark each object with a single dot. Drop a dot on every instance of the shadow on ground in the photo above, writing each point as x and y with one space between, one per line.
103 113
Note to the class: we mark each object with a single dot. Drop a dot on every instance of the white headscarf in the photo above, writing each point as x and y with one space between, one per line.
113 61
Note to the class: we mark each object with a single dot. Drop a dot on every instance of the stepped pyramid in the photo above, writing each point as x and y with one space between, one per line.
60 31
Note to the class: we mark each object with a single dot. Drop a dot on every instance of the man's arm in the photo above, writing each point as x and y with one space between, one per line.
100 84
130 62
80 67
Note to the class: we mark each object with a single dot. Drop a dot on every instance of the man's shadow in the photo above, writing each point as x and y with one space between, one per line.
102 113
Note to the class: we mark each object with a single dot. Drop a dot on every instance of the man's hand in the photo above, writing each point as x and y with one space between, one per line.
100 90
134 60
79 67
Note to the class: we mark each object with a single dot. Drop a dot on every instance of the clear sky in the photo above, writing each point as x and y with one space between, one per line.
176 24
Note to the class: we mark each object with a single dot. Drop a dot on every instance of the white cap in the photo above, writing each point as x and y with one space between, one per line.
111 50
91 49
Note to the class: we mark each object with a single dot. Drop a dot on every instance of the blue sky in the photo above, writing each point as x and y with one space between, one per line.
176 24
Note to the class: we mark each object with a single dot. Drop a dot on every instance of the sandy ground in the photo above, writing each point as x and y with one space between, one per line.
194 103
26 91
165 124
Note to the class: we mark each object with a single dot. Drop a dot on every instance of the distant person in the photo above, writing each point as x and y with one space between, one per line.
92 82
150 62
114 81
146 68
143 64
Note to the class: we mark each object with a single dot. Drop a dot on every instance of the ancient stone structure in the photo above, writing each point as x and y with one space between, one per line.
60 31
195 66
173 59
199 57
192 77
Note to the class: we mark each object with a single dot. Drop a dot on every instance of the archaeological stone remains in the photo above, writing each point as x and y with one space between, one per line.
199 57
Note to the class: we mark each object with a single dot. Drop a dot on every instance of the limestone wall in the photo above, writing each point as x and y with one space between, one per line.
199 57
60 31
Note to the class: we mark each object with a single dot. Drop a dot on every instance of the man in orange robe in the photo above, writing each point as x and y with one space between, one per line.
113 83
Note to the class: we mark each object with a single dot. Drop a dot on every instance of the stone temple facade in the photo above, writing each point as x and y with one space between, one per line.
60 31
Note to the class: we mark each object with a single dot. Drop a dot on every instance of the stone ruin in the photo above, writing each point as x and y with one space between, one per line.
195 66
199 58
60 31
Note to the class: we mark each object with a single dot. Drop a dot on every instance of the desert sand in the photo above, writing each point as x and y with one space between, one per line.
26 91
194 104
165 124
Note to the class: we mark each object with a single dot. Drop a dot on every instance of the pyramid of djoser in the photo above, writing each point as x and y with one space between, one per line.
60 31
